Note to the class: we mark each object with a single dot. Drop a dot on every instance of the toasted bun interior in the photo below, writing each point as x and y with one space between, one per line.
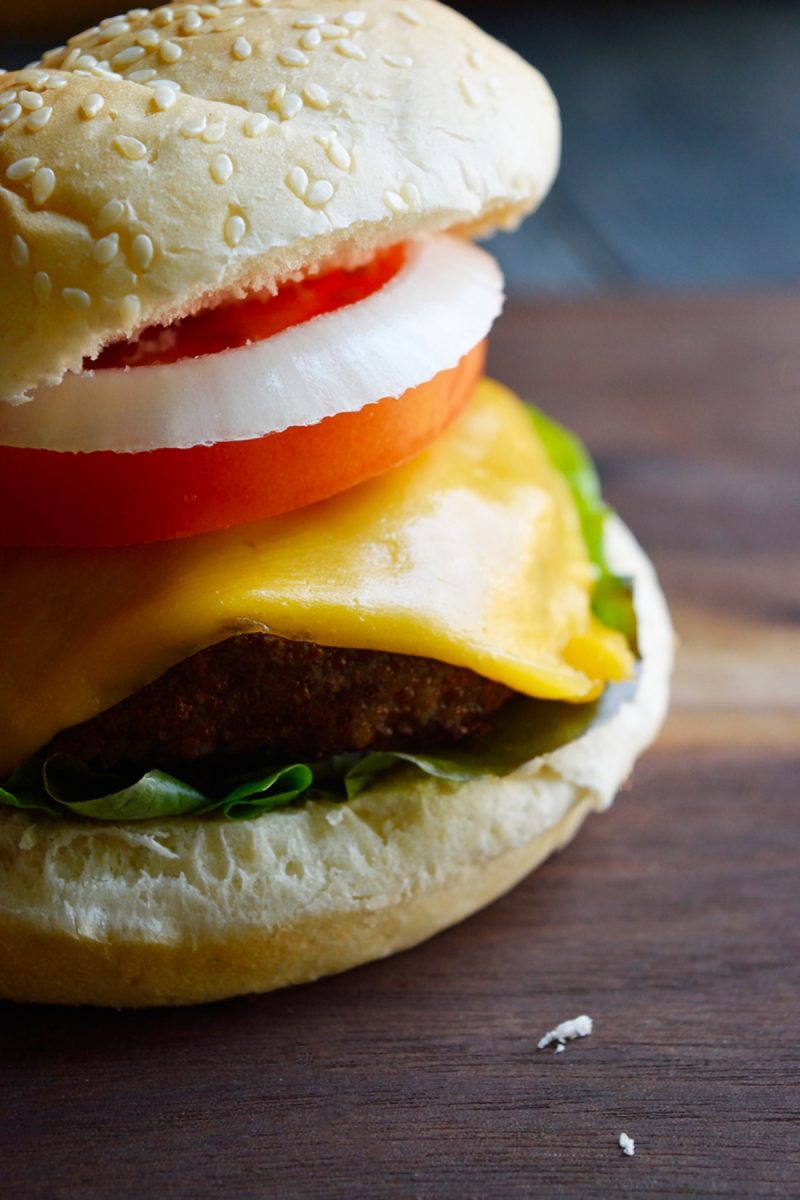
166 158
185 911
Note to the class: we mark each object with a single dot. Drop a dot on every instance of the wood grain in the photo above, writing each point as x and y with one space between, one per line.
673 920
692 411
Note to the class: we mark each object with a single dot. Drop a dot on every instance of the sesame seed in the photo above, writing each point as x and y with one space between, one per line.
290 57
106 249
191 23
20 254
235 229
162 17
475 58
136 14
290 105
409 15
42 287
124 58
338 155
163 97
142 76
114 30
10 114
169 52
110 214
411 195
76 298
226 24
92 105
297 182
170 83
71 58
101 71
30 100
44 182
256 124
308 22
193 127
331 32
33 78
208 10
23 168
311 39
398 60
241 49
395 202
276 95
229 3
148 38
130 147
221 168
213 133
39 119
130 308
355 18
350 49
85 63
260 3
143 251
320 192
316 95
468 92
7 98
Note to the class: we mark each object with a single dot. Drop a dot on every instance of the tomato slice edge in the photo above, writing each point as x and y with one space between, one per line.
255 318
103 498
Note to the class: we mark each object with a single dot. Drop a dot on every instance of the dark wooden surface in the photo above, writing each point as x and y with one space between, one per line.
673 920
681 135
681 161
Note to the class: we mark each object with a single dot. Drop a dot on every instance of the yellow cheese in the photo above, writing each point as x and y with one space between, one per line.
470 554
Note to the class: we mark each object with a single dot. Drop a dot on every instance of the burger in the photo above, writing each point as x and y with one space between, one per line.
313 641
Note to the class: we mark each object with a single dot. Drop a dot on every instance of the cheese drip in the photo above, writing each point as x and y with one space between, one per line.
471 554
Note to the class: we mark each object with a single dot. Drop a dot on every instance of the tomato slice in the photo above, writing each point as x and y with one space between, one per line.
51 498
235 324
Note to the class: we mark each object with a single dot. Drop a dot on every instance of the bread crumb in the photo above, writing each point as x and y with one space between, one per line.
334 816
578 1027
627 1145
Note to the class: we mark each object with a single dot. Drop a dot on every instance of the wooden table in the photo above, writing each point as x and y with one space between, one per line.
673 920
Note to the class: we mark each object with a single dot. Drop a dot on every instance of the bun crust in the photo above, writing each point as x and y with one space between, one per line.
296 138
186 911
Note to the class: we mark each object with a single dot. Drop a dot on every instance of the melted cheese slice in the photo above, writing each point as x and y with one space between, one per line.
470 554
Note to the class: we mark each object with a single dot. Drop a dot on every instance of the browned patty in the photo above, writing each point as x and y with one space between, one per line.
260 697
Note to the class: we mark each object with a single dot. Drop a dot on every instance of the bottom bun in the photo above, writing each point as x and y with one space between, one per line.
186 910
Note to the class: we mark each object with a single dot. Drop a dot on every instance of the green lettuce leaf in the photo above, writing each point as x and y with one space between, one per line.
60 784
612 600
522 730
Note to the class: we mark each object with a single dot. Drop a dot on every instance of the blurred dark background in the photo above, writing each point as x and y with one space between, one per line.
681 137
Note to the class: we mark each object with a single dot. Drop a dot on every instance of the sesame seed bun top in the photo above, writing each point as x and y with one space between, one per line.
170 155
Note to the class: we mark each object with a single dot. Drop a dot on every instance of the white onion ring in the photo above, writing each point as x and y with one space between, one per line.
440 304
